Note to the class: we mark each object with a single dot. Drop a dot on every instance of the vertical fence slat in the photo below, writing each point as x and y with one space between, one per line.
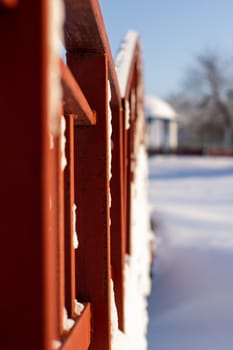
69 217
27 249
92 196
128 140
61 232
117 214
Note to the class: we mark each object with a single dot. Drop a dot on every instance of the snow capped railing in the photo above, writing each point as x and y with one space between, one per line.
138 235
124 61
78 148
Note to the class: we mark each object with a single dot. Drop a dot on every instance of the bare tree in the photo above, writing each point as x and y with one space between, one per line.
207 100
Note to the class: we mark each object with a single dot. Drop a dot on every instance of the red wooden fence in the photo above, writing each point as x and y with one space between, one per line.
42 273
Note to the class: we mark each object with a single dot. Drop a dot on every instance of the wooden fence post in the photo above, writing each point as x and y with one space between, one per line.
28 243
92 196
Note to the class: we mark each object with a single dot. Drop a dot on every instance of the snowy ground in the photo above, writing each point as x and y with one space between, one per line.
191 304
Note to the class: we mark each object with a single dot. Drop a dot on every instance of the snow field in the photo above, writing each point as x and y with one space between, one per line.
191 304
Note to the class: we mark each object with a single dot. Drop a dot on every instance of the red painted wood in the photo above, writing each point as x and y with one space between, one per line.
130 143
54 164
133 126
124 194
117 214
28 237
61 234
92 196
128 191
9 3
32 243
70 294
79 337
74 100
85 31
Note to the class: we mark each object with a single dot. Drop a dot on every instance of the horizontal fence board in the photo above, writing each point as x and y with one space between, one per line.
74 100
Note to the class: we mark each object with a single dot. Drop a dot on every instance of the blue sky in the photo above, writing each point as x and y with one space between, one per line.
172 32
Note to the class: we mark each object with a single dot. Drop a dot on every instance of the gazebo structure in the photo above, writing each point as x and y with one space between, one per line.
162 125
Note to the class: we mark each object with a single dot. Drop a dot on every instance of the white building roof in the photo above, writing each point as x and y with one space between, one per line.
158 108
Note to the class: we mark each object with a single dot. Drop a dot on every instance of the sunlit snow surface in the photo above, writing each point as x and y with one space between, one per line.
191 304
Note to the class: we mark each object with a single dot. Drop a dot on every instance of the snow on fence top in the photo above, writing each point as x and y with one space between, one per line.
157 108
124 58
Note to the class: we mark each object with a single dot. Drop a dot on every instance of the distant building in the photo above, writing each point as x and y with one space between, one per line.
161 125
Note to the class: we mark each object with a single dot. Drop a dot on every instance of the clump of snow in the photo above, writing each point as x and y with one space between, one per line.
137 281
54 37
78 307
110 199
127 115
124 58
136 318
75 235
137 265
68 323
56 344
114 315
63 143
119 340
133 101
